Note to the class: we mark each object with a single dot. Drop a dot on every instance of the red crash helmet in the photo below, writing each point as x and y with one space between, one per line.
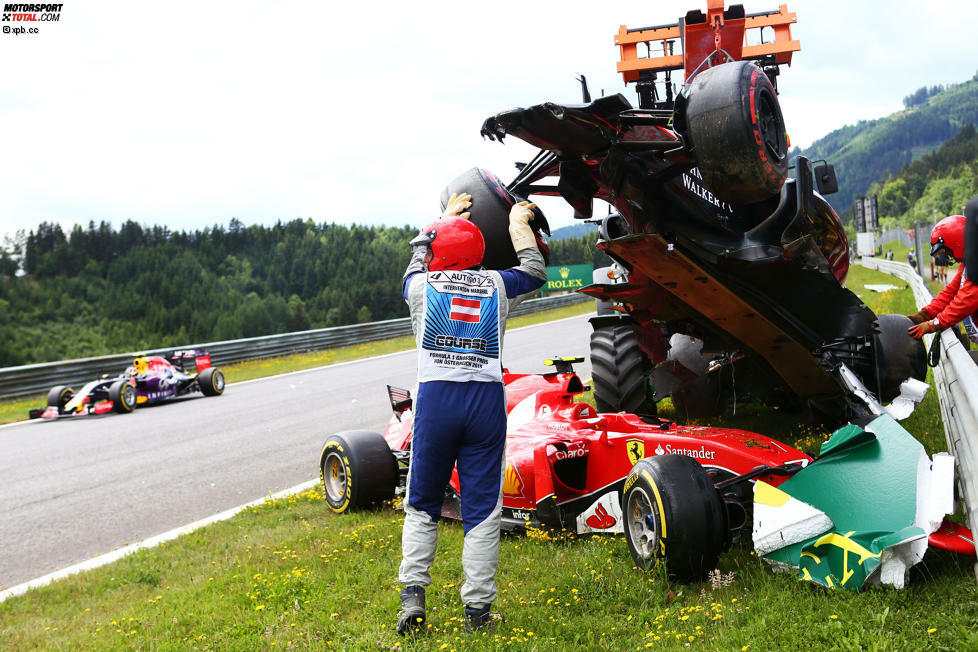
949 234
455 243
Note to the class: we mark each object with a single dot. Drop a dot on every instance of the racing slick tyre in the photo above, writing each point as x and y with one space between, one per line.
357 469
673 513
619 369
898 356
59 395
211 381
491 202
734 121
123 396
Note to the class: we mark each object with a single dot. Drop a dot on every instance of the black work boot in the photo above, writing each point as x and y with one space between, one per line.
481 619
412 614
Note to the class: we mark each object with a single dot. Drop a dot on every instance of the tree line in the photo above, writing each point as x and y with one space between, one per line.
932 187
98 290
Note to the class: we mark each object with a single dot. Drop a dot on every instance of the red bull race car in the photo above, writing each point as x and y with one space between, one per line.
570 468
150 379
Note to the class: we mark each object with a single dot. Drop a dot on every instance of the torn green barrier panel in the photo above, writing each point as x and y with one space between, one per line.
848 560
866 482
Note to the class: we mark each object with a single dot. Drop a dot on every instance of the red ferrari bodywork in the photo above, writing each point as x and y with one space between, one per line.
566 464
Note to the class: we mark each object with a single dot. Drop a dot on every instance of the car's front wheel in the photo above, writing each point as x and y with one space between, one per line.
673 513
59 396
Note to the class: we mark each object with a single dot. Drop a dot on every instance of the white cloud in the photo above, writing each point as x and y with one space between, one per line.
187 115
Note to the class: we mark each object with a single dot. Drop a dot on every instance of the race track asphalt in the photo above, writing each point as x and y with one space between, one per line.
75 488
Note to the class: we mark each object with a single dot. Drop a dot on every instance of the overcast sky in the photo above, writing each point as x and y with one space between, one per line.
190 114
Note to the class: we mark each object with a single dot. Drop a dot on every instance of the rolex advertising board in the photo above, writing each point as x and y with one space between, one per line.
568 278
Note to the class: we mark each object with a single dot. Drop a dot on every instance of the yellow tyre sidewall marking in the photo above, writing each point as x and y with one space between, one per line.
658 502
336 446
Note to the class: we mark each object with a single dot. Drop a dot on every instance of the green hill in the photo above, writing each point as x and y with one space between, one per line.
933 186
871 150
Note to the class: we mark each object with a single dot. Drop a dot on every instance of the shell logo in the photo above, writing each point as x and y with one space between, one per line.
512 482
564 272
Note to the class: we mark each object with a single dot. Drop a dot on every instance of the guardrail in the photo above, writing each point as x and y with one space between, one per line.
34 379
956 378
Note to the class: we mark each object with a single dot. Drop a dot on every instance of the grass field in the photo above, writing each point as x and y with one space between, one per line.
291 575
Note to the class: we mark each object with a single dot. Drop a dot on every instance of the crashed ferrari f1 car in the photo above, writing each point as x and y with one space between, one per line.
678 493
150 379
711 238
569 468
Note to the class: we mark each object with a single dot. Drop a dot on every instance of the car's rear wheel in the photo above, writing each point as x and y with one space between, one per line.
898 356
674 514
357 470
59 395
734 121
211 381
123 396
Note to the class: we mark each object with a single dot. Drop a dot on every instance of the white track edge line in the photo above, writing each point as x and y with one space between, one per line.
152 542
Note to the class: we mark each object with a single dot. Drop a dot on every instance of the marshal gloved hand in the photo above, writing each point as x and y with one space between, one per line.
919 330
457 204
519 226
918 317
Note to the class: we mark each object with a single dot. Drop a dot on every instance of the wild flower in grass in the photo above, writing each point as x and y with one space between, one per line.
719 580
931 630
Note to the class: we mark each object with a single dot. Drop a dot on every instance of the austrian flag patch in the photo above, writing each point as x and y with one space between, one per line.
465 310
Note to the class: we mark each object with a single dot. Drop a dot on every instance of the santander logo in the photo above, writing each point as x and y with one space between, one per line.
700 453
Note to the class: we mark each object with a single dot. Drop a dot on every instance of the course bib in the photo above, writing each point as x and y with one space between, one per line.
461 328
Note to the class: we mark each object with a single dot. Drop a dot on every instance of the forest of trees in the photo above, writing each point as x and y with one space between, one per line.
932 187
100 290
920 95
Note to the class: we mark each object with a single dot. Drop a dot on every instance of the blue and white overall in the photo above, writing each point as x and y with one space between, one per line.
458 319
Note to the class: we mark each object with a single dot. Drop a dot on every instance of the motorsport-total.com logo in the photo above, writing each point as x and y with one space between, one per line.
30 13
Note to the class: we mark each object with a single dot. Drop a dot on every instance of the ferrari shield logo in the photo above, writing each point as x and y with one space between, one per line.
635 449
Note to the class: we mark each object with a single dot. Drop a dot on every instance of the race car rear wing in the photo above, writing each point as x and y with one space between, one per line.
201 358
401 400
